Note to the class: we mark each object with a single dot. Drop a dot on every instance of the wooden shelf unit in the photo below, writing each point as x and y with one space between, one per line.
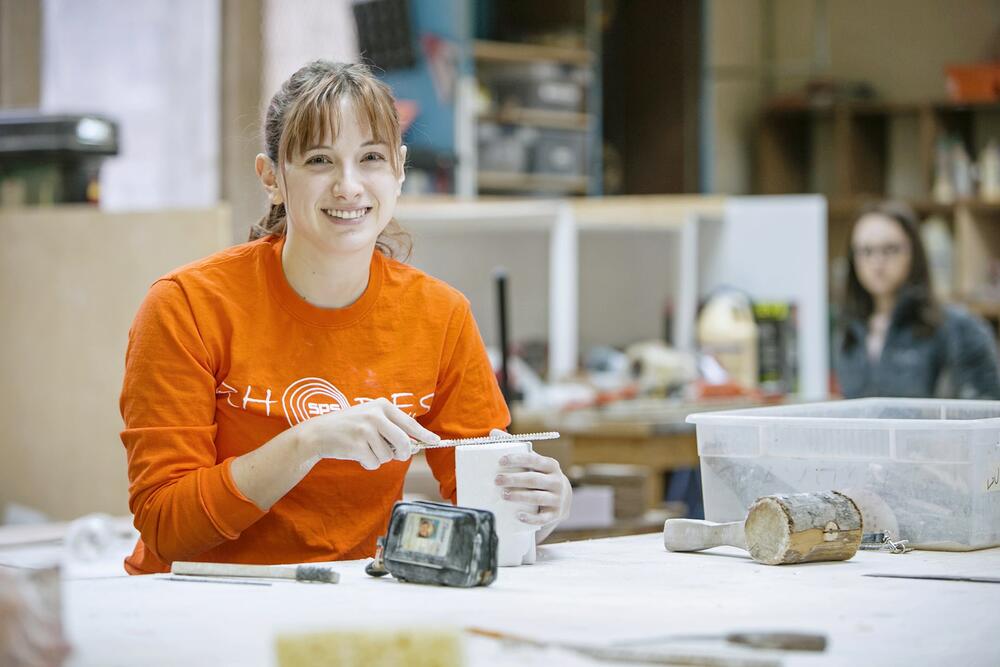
860 143
511 52
492 55
845 151
545 100
558 120
521 182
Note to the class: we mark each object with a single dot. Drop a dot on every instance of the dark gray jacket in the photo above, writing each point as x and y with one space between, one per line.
958 360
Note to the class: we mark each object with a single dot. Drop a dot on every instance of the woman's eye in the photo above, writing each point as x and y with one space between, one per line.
373 156
318 159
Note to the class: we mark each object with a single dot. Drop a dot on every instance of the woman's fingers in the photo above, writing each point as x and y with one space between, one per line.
529 480
530 461
368 459
534 481
379 447
542 499
410 426
538 519
397 440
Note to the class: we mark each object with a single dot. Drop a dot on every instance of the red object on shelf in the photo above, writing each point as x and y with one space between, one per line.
978 82
408 111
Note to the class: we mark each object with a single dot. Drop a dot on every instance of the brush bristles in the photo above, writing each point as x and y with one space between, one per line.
319 573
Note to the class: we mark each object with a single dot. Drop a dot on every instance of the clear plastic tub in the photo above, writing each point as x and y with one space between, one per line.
930 467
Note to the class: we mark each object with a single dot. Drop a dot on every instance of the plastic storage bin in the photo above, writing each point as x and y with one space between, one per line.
560 152
935 463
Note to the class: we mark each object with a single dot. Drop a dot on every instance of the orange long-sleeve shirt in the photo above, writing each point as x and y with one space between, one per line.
223 355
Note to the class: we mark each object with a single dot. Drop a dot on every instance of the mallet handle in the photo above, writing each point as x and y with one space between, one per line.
695 535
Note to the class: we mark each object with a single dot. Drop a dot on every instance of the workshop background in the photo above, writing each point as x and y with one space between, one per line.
667 185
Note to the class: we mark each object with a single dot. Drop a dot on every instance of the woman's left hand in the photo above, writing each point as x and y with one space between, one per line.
538 481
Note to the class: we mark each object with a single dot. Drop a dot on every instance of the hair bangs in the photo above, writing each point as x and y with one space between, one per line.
315 116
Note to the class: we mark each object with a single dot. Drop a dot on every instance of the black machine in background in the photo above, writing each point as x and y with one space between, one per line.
53 159
500 276
385 38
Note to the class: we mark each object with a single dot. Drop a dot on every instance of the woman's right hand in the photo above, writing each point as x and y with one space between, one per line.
371 433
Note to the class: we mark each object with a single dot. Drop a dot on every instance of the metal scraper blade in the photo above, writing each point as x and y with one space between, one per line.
488 440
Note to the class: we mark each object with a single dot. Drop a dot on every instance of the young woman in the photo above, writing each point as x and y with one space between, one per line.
272 390
896 339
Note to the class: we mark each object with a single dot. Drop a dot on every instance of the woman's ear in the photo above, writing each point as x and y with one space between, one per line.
268 178
402 169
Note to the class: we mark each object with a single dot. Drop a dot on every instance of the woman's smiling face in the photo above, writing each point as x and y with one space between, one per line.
341 192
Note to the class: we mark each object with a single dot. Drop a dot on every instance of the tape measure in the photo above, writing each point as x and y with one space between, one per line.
435 543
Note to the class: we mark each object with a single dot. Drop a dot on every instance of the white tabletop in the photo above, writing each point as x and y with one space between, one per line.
596 591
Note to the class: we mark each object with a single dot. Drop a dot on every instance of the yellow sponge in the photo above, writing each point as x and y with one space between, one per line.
413 647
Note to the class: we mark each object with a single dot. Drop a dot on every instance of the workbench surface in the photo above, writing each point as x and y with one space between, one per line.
594 591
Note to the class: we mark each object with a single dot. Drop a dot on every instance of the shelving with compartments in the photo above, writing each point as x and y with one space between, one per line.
857 152
535 108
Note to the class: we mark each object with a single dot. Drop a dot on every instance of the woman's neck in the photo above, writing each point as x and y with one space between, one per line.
324 280
883 305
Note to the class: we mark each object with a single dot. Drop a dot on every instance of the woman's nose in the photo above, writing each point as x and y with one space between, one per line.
347 183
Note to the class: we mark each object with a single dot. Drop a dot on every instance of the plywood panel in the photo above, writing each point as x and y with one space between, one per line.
20 53
71 280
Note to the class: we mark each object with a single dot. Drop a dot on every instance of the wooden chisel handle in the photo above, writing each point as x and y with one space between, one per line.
695 535
320 573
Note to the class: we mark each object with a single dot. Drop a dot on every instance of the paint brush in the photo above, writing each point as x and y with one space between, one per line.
311 573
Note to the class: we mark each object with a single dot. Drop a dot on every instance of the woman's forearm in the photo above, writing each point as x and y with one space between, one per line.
267 473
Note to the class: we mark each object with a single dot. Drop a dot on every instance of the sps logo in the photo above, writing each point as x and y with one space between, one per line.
311 397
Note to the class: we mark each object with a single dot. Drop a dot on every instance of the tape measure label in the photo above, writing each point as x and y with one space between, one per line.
426 534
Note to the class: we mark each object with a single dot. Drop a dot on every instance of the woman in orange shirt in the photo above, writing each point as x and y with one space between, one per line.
271 390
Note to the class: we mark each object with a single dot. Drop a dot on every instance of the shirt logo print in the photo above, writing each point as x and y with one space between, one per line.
311 397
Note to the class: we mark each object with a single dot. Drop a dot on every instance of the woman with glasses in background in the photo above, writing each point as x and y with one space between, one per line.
895 338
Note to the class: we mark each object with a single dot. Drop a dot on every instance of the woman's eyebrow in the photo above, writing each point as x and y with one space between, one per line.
370 142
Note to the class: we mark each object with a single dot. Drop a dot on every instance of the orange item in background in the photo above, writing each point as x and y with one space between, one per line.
978 82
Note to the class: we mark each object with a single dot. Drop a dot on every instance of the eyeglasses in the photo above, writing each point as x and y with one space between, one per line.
885 251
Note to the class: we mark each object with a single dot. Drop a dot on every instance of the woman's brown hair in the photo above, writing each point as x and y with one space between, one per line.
921 310
305 106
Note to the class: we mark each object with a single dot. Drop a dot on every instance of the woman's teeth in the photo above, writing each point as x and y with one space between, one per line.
352 214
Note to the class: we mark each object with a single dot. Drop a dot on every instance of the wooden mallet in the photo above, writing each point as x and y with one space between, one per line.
779 529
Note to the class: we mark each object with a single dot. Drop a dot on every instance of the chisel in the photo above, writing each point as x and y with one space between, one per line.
779 641
633 656
939 577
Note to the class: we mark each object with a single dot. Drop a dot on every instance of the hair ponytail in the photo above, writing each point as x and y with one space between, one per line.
272 223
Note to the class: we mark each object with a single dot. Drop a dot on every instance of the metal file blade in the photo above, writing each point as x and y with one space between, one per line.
938 577
488 440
